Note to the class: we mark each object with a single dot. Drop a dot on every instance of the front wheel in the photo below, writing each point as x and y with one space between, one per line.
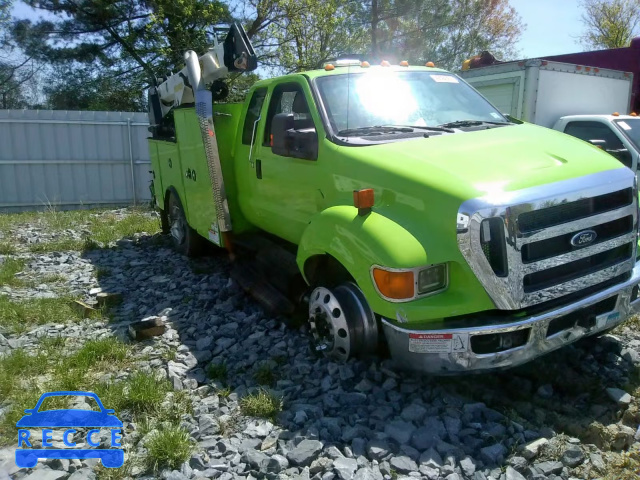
342 323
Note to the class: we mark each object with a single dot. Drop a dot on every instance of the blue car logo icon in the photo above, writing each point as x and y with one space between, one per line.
69 419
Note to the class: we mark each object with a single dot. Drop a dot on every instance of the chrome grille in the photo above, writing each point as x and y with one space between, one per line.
539 224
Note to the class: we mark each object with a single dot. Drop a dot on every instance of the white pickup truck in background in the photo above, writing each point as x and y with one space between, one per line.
582 101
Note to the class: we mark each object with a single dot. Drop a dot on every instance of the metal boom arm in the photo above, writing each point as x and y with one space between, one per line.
234 54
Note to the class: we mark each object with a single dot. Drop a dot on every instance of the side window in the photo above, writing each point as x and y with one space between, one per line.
288 98
253 113
594 131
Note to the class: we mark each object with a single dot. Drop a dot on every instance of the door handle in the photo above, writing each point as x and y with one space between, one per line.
259 168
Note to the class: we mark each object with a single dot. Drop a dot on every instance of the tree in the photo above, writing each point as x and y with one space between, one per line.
609 23
292 36
311 32
118 42
15 70
443 31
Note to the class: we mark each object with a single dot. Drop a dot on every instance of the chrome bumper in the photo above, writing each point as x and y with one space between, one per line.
451 351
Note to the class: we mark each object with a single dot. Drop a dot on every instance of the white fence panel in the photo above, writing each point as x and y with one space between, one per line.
72 159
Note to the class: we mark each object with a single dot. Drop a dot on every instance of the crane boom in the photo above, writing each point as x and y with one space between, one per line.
234 54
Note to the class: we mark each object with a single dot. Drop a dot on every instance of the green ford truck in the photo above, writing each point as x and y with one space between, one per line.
400 206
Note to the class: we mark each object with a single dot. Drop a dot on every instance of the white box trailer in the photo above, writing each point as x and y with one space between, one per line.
540 91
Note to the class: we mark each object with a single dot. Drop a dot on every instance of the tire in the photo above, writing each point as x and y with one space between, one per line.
185 239
342 324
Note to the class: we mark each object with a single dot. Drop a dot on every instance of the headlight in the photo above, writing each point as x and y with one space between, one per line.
432 279
403 285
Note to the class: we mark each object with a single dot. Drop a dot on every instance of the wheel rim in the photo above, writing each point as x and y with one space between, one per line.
329 325
178 225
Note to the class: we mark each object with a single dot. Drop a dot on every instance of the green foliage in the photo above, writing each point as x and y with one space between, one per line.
261 404
17 316
217 371
8 270
169 448
109 50
609 23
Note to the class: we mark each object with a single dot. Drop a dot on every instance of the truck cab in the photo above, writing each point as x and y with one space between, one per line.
616 134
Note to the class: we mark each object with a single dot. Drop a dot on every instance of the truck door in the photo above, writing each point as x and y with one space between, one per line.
594 131
287 186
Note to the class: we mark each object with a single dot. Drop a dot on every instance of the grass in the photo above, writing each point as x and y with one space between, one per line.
108 350
141 393
103 227
262 404
217 371
264 375
60 245
224 392
169 448
102 273
8 269
623 466
7 248
18 316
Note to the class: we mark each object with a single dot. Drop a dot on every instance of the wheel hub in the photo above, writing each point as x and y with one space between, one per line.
178 230
329 325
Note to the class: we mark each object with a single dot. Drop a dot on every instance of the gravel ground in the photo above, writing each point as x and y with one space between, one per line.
570 415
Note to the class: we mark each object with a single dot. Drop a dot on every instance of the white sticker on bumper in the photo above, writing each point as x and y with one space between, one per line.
438 342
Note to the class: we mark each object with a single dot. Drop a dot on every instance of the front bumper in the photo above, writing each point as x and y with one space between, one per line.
457 350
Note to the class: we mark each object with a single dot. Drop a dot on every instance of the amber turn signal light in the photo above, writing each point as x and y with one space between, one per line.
363 200
395 285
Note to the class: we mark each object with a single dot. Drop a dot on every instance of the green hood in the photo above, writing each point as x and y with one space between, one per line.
472 164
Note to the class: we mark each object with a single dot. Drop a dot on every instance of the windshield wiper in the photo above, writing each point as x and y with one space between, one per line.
439 128
470 123
381 129
374 130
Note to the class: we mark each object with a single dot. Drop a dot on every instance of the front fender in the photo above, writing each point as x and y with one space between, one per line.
358 242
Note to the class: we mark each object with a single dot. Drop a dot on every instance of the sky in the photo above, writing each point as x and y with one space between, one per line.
552 26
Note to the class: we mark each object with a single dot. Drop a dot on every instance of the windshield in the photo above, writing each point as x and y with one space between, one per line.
389 97
631 129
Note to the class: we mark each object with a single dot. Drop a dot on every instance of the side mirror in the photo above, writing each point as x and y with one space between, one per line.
289 142
281 124
598 143
623 155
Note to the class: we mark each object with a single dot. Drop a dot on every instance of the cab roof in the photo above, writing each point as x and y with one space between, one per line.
343 69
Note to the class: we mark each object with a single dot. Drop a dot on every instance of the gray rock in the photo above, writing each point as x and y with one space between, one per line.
413 412
345 467
275 464
572 456
531 449
494 454
597 461
377 449
468 466
82 474
305 452
513 474
254 458
368 474
403 464
518 463
545 391
45 474
400 431
547 468
176 475
204 343
424 438
431 458
619 396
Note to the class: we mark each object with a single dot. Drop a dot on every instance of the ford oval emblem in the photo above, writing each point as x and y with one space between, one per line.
584 238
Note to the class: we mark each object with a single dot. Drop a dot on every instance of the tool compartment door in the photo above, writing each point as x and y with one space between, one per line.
200 208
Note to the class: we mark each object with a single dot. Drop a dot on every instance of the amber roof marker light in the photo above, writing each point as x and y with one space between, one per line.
430 64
